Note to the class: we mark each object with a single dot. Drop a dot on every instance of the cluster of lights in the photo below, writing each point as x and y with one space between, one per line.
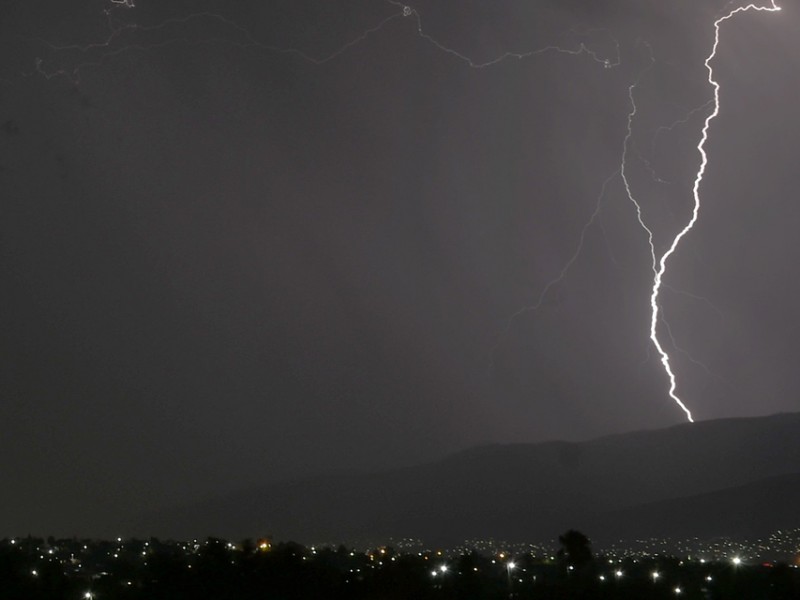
781 543
627 569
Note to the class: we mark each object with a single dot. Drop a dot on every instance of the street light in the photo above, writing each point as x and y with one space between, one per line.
510 566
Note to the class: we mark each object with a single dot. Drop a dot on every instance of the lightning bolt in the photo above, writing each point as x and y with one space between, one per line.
113 46
660 265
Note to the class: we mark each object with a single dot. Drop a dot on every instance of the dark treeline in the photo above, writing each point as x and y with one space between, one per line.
72 569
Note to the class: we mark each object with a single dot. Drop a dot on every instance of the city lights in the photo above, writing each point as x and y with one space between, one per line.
680 575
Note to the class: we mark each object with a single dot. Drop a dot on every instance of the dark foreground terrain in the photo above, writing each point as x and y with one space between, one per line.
75 569
729 477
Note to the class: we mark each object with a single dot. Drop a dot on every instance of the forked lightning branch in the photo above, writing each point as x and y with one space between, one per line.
118 30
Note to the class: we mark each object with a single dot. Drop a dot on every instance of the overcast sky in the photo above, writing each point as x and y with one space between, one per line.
254 242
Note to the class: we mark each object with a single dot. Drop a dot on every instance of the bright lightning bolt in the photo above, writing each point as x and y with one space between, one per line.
114 45
660 265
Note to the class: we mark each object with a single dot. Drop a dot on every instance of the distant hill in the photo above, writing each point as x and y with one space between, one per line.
703 474
746 511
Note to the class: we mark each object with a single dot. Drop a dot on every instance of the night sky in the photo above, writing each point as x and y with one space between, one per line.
244 243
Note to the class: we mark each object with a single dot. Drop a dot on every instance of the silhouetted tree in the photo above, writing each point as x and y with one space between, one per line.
575 548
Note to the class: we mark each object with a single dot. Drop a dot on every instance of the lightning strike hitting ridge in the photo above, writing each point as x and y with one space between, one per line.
660 266
115 44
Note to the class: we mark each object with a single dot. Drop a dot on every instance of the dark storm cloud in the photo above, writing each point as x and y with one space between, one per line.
223 264
10 128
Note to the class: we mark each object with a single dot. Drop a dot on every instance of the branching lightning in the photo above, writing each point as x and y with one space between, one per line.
118 29
579 50
660 265
561 274
248 40
116 43
682 121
